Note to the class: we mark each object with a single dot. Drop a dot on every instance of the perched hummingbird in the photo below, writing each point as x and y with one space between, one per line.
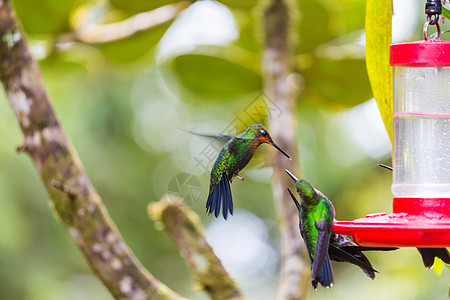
316 214
428 254
233 157
314 211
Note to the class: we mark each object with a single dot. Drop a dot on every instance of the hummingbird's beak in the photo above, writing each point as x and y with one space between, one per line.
295 199
386 167
291 175
279 149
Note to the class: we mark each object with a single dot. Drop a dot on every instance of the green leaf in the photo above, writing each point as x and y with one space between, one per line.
49 16
135 46
446 13
352 15
343 82
322 21
248 32
313 28
378 39
215 77
240 3
140 5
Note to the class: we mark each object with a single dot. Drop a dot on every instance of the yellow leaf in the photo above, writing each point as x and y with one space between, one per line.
378 39
438 266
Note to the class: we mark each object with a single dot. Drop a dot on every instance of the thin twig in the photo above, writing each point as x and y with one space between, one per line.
88 32
185 229
74 199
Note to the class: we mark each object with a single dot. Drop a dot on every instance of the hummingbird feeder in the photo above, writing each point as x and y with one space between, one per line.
421 149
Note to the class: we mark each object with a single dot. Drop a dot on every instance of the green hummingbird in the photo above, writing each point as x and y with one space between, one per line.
315 210
316 214
233 157
429 254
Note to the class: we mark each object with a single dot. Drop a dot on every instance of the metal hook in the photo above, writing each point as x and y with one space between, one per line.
425 28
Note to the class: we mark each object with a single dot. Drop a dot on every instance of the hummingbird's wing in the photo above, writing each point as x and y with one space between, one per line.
428 255
225 137
321 267
346 243
343 248
362 248
358 259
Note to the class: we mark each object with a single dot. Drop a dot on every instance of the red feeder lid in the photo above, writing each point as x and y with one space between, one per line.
415 222
429 53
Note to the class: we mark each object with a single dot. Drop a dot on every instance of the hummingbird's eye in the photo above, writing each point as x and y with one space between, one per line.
264 133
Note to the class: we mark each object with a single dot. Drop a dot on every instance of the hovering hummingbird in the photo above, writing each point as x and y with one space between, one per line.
233 157
316 209
429 254
316 214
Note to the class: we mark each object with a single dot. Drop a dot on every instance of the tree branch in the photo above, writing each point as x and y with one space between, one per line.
277 67
88 32
185 229
74 199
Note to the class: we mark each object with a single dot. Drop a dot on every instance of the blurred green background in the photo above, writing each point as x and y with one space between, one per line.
122 103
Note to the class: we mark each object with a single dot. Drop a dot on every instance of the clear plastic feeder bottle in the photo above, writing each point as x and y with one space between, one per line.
421 119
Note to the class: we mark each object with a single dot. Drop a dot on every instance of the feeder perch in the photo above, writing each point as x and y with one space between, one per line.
421 152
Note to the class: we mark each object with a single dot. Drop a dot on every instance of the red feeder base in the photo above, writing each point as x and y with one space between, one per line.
415 222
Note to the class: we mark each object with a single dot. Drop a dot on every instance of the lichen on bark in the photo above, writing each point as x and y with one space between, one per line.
74 199
185 229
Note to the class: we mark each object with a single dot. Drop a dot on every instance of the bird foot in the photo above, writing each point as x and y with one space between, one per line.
238 176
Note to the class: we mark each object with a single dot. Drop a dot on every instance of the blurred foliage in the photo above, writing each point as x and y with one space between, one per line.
323 85
55 13
140 5
446 13
214 76
122 103
131 48
240 4
379 37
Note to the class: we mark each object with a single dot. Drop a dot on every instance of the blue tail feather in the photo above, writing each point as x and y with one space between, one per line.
225 205
227 200
325 277
326 274
209 204
216 203
220 196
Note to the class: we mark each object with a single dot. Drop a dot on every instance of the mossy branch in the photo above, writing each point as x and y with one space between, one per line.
185 229
276 62
72 196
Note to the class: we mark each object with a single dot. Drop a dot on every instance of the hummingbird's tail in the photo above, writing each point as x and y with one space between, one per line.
220 195
325 277
428 255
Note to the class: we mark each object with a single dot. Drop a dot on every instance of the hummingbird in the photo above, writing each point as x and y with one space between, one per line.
233 157
316 215
314 209
428 254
